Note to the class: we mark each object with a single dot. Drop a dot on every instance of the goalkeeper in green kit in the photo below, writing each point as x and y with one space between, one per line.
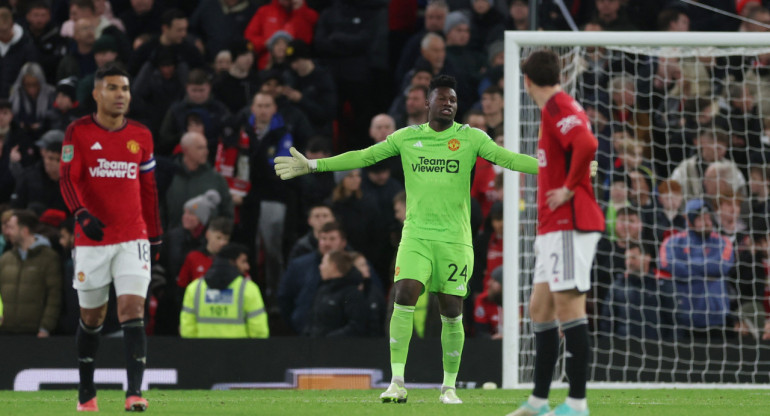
436 251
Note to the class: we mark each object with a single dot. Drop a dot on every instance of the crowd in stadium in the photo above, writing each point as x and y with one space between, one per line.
227 85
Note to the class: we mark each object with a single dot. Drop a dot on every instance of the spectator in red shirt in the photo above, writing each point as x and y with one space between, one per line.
190 234
292 16
199 261
494 252
484 187
488 253
488 311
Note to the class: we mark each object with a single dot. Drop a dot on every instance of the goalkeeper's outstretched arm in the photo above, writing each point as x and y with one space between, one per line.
517 162
508 159
297 165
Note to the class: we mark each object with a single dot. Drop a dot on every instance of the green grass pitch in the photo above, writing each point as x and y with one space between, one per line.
678 402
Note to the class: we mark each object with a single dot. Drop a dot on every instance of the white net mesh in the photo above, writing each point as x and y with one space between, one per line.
670 302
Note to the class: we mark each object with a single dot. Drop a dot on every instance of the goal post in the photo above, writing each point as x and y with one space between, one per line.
676 362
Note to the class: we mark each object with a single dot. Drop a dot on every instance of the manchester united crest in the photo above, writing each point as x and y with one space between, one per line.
453 145
81 277
133 146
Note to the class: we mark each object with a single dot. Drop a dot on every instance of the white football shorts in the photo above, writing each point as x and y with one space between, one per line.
126 265
563 259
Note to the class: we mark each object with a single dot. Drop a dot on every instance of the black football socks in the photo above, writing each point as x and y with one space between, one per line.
87 339
578 351
546 355
135 345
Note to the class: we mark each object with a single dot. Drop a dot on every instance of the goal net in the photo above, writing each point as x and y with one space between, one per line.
681 122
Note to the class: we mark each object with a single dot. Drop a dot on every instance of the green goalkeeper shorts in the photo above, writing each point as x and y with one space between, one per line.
441 267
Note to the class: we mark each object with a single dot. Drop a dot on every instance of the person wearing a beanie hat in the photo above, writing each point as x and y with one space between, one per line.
494 51
497 274
65 102
38 184
277 46
342 174
202 206
694 209
453 19
278 36
67 87
457 31
105 43
51 140
107 49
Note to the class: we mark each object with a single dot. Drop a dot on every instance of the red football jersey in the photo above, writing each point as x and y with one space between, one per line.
494 257
488 313
565 132
112 175
483 187
195 266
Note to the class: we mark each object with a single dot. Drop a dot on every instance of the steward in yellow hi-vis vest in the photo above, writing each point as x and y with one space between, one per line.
223 304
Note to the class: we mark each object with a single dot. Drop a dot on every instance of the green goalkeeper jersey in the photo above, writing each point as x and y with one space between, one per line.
437 174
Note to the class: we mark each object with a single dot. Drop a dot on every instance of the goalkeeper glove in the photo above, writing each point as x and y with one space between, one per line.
92 226
594 167
296 165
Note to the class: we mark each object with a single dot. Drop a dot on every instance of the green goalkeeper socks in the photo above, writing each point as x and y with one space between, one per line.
452 340
401 326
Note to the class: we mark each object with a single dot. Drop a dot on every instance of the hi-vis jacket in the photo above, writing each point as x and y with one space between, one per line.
235 312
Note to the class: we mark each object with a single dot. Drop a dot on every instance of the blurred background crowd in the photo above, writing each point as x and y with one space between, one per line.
227 85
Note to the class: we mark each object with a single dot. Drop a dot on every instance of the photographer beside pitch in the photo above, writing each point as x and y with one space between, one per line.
436 252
